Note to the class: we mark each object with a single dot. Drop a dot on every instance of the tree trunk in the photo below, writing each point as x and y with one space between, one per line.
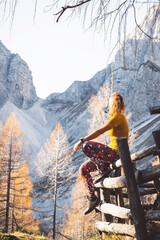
8 187
55 200
12 221
54 211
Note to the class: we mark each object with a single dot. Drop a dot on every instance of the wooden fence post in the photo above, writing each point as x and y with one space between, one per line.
154 110
105 197
119 195
133 194
156 136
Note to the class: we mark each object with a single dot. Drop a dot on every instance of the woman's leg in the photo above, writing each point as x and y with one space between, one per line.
100 157
100 154
85 169
93 200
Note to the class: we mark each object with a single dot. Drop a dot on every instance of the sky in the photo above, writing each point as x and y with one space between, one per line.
57 53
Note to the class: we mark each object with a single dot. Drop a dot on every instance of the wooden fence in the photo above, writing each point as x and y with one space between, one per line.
132 217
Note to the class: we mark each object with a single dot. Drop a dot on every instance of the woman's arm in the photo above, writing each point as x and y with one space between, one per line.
94 134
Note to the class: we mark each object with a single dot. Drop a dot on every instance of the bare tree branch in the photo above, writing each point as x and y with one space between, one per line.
135 18
60 13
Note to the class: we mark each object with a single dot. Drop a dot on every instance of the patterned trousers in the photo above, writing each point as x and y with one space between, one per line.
100 157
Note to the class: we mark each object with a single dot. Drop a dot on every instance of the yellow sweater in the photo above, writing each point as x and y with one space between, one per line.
120 129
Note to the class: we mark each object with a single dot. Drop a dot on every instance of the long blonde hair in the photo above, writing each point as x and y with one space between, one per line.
117 105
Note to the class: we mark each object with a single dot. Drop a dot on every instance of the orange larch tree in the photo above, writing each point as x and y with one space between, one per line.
23 208
11 159
12 156
76 226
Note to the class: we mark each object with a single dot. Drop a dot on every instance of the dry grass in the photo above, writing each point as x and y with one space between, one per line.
111 237
21 236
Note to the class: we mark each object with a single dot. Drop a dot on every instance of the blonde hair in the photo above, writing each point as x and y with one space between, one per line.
117 106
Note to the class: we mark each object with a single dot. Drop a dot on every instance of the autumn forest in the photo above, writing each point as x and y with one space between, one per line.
54 175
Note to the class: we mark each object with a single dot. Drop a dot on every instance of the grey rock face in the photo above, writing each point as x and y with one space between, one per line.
4 59
139 86
15 80
136 71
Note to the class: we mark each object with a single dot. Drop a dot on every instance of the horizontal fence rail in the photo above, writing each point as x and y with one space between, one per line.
142 176
136 156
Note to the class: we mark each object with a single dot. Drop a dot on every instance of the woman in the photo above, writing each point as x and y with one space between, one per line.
101 155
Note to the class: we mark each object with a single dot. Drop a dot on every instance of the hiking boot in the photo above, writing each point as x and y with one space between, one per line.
92 204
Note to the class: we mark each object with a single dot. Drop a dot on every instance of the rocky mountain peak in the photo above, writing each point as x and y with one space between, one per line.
78 91
15 80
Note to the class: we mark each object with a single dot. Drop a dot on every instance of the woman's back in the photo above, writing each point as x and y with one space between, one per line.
120 129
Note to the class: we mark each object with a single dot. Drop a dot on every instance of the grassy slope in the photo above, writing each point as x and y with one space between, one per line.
25 236
21 236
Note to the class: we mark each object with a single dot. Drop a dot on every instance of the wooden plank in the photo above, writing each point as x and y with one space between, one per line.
148 174
146 185
125 213
115 182
153 215
115 211
157 201
136 156
134 198
144 192
154 110
143 153
116 228
146 206
141 177
156 136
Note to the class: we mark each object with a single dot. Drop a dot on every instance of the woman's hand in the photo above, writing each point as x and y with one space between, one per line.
77 145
